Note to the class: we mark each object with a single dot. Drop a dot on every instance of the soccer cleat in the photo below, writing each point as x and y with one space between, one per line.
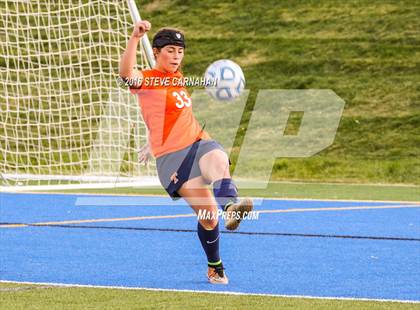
216 275
236 212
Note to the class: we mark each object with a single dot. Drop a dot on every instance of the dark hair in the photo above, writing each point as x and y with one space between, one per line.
168 36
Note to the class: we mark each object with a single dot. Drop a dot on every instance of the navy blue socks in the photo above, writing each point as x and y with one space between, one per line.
210 242
225 192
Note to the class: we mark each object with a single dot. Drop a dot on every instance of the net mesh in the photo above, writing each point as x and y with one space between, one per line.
64 118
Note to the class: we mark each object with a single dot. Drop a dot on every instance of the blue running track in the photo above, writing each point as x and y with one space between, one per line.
309 248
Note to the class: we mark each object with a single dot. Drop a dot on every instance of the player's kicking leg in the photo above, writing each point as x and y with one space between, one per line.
214 167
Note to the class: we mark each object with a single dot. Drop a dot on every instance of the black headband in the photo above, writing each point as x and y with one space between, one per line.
168 37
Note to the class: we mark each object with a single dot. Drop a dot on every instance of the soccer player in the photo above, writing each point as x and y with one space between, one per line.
187 159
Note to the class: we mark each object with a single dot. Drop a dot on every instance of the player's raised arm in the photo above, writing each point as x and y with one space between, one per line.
128 59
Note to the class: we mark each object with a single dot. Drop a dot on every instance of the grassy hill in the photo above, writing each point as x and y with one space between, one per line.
366 51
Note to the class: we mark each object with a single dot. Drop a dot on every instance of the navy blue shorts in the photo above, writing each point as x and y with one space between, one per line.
183 163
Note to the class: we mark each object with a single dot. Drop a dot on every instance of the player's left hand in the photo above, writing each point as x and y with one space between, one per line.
144 154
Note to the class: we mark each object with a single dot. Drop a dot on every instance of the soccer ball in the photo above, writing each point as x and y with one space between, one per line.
228 77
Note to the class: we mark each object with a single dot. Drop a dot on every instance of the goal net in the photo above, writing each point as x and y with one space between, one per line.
65 121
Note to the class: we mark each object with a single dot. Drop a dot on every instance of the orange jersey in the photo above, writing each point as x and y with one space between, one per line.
166 108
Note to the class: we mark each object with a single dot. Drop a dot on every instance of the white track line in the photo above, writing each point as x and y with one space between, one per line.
208 292
154 217
339 208
105 220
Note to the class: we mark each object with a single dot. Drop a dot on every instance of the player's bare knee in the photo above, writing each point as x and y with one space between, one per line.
223 161
222 157
218 165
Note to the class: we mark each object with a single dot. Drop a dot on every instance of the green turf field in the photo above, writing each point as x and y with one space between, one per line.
24 296
295 190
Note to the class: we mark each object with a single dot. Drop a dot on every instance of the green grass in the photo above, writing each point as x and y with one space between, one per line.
366 51
292 190
41 297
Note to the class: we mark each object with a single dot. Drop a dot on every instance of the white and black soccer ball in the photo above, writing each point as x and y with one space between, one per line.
229 80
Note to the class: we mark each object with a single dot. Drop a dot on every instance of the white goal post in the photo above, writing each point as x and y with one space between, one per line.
65 121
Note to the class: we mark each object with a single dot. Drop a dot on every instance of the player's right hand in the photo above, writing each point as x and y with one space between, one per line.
144 154
141 28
